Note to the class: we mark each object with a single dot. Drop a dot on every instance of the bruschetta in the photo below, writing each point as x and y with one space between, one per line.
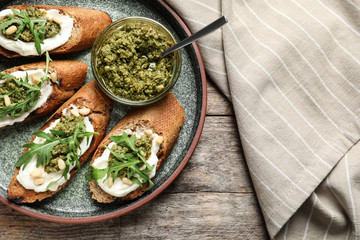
17 104
58 29
128 158
61 146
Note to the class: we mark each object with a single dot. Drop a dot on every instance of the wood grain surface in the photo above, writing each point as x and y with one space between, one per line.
213 197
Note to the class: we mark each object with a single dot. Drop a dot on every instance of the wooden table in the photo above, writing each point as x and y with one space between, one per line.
213 197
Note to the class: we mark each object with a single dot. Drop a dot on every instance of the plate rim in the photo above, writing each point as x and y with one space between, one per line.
164 185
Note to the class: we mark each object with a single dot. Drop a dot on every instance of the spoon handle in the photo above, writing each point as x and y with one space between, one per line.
206 30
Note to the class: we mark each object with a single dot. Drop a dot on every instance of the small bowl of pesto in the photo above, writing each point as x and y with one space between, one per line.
126 61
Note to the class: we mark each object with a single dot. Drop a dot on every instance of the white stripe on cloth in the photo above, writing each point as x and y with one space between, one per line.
213 50
195 21
273 165
302 87
317 45
206 6
268 104
210 48
268 216
350 193
307 62
216 71
353 4
272 192
340 18
310 215
265 129
329 226
329 31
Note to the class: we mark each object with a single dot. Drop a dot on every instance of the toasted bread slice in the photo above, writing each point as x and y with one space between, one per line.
70 76
88 23
89 96
164 117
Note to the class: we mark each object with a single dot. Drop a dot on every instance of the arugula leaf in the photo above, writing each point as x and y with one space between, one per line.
6 24
58 133
132 162
43 150
36 26
124 140
144 178
16 109
33 93
118 166
21 14
64 175
96 173
48 60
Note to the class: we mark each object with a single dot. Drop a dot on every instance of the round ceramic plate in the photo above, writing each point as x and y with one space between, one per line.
74 203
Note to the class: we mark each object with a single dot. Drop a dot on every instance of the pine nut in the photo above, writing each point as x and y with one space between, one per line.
35 79
7 100
57 20
127 181
160 87
36 173
143 153
159 140
148 132
39 181
84 111
10 30
53 77
61 164
75 112
110 181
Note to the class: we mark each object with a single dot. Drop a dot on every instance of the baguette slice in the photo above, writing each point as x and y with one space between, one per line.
164 117
89 96
70 77
88 23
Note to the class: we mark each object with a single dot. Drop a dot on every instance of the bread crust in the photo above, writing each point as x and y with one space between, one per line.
89 96
88 23
70 77
164 117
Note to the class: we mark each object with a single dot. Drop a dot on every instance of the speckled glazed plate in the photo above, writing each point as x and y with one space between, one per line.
73 204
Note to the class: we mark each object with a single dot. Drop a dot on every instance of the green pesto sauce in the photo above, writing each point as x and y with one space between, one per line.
67 124
130 64
144 142
51 29
18 94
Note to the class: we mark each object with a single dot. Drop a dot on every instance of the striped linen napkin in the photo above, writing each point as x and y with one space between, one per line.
292 72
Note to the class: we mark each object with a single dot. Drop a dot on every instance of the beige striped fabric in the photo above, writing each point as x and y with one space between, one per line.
291 68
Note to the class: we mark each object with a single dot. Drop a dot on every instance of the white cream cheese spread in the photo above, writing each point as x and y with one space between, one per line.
27 181
119 188
46 90
28 48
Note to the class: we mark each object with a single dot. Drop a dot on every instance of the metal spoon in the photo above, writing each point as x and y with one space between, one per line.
206 30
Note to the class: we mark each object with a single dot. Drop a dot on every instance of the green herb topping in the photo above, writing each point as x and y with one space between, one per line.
59 144
31 26
22 94
127 160
130 65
